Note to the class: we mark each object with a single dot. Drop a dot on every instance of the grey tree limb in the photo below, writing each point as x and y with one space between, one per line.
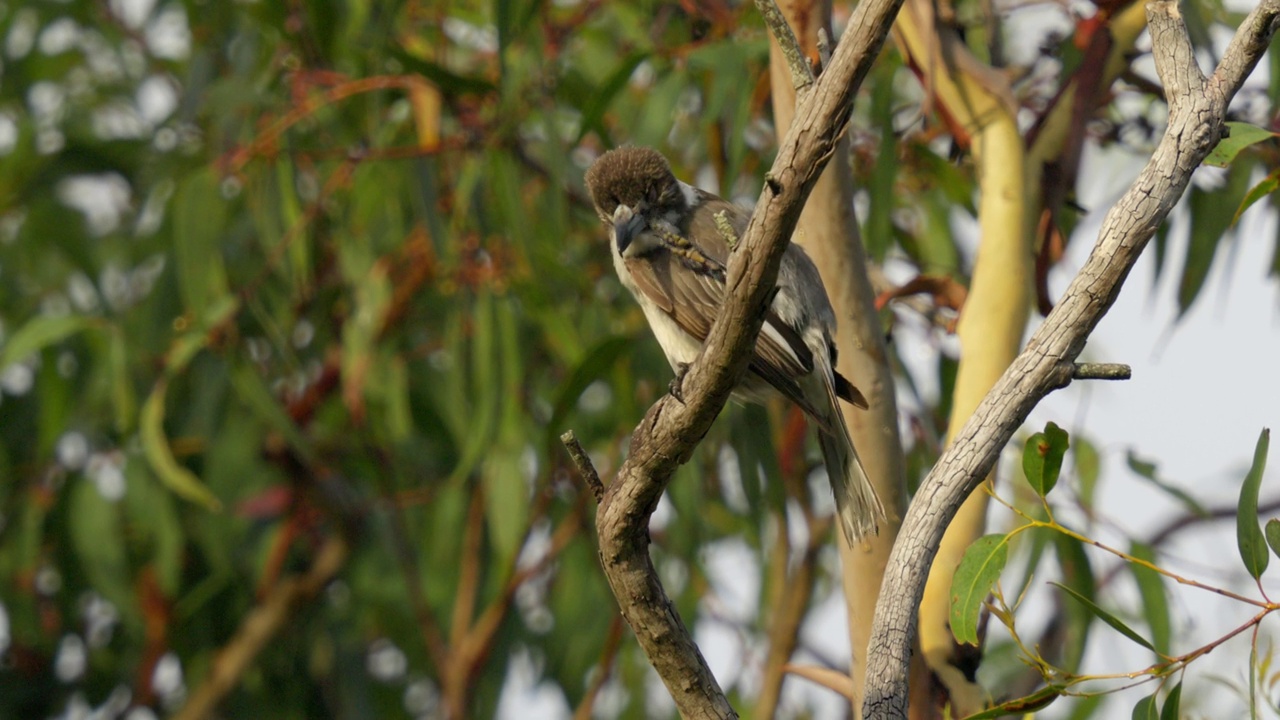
1197 108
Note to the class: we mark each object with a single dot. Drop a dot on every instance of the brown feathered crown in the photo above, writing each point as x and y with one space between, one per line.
632 176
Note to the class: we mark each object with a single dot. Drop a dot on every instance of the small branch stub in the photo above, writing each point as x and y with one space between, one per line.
1101 371
824 49
583 461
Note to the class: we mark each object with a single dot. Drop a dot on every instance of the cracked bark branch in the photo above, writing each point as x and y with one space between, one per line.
670 431
1197 106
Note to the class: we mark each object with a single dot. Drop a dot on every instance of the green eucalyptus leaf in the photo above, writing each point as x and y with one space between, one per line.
199 217
1042 458
1211 219
1172 704
1088 464
1149 471
254 393
1242 135
155 446
1272 532
1268 185
1155 602
1146 708
1249 537
98 536
1026 705
978 571
39 333
1077 574
1107 617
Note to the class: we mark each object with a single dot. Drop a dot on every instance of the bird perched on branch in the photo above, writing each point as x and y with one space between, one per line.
670 244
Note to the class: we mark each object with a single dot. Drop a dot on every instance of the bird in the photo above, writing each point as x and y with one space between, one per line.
670 244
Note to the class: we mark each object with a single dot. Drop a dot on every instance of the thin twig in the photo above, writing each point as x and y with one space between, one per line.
470 573
260 626
433 639
1152 566
583 461
1188 520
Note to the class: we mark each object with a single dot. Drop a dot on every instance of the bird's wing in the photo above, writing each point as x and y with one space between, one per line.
702 225
688 285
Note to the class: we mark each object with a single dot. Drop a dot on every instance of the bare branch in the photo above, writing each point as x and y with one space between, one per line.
670 431
1196 113
801 72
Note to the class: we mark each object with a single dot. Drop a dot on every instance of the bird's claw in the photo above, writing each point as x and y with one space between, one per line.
675 388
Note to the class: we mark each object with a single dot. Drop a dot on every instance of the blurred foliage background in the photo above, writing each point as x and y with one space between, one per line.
297 297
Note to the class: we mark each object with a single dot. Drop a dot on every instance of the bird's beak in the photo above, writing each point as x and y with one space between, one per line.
626 226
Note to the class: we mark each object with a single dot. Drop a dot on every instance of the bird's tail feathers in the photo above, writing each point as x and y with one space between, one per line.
857 505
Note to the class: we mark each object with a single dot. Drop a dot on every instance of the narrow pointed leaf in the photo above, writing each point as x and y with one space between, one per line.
1253 681
1210 221
39 333
1257 192
599 101
1108 618
1253 549
199 216
1272 532
977 572
155 447
1146 709
1032 703
1148 471
1088 465
253 392
124 399
1077 574
594 365
98 538
1242 136
1171 703
1155 603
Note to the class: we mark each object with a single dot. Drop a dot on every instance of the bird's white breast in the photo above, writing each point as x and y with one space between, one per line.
679 346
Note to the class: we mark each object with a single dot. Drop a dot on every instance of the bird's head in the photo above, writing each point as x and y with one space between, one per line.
632 187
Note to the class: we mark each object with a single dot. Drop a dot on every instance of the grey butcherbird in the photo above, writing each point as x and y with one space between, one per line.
671 254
